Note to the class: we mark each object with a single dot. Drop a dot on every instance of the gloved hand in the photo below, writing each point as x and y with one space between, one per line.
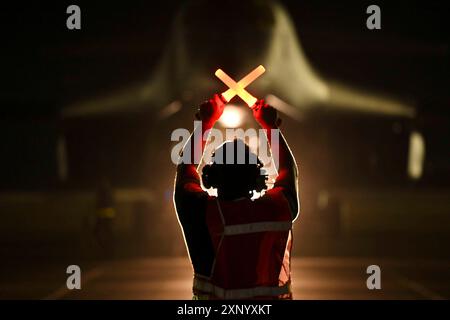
210 111
266 115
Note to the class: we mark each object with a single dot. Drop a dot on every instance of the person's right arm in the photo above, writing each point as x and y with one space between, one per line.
188 193
286 180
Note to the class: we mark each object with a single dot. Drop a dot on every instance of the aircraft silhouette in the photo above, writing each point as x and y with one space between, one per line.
237 36
129 139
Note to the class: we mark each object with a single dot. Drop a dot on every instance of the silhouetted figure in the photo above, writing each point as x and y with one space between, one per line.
240 248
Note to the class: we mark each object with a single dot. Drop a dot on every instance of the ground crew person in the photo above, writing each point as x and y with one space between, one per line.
240 247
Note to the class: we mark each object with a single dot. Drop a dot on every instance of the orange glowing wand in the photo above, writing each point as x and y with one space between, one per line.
239 87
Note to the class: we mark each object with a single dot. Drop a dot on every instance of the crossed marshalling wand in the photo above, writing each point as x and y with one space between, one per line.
238 88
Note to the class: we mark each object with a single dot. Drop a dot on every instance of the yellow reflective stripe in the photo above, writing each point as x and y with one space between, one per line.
207 287
236 229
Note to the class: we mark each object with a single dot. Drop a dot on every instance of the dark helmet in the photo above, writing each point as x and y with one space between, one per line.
235 170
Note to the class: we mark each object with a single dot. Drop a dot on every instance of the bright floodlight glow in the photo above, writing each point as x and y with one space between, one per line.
232 117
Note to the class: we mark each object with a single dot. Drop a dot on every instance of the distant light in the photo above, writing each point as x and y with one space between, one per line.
232 117
416 155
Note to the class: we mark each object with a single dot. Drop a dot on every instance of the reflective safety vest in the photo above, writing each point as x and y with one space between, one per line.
252 242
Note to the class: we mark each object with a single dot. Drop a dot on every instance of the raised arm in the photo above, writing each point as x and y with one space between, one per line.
267 117
209 112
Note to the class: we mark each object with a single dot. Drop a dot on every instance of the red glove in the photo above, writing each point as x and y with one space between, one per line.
211 110
266 115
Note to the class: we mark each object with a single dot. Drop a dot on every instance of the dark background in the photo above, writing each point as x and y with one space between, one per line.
375 209
45 67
